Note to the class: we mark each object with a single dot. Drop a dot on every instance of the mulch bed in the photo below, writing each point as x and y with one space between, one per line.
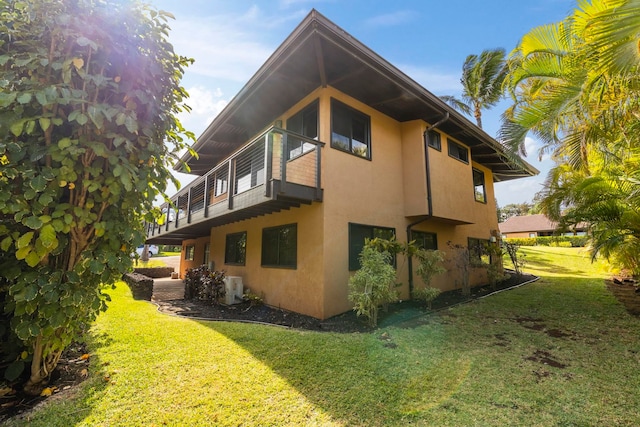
399 314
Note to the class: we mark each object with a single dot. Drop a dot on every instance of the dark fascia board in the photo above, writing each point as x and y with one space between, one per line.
316 23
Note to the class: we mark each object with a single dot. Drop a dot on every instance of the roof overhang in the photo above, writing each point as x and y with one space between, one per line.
319 54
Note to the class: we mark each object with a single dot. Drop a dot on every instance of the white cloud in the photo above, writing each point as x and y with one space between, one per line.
229 46
519 190
205 106
532 146
435 81
391 19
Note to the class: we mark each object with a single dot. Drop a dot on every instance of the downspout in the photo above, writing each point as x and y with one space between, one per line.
425 137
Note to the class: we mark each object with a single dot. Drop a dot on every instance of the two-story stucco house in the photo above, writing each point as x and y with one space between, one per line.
326 145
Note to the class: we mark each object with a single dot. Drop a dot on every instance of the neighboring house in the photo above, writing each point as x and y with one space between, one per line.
326 145
536 226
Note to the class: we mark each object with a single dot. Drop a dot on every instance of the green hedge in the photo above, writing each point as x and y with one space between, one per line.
562 241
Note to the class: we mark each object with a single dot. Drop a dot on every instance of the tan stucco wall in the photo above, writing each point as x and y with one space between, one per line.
383 191
298 289
519 234
198 257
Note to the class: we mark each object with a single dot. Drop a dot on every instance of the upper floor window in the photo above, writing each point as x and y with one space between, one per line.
434 140
304 122
280 246
425 240
221 182
479 187
357 235
350 130
235 250
457 151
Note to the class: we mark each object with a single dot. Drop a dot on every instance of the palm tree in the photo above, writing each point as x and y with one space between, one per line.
482 78
576 86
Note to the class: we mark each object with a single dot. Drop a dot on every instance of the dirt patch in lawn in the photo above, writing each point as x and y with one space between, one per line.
627 292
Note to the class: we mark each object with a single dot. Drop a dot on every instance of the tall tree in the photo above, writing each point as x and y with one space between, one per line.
89 93
575 85
482 78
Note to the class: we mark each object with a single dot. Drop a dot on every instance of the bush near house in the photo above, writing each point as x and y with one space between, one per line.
561 241
203 284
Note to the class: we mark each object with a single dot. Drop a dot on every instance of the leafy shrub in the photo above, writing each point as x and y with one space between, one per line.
372 285
574 241
202 284
427 295
517 259
253 298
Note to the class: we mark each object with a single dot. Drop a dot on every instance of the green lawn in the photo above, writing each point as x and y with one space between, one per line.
480 364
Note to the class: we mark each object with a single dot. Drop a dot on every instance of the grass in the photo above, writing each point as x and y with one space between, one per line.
168 253
478 364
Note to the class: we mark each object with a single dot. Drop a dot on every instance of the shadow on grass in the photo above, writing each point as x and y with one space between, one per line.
394 376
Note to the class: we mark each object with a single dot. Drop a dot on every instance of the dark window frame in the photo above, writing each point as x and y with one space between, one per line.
299 146
420 238
479 181
434 140
350 115
455 150
234 254
355 247
282 259
189 252
478 253
207 254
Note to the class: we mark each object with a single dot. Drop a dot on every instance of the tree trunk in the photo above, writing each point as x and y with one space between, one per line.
41 367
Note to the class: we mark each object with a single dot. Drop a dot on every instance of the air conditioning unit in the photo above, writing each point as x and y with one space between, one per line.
233 289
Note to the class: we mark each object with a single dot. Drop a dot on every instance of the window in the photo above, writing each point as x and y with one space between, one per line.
304 122
235 250
433 139
479 189
425 240
457 151
221 183
478 252
207 252
357 235
189 253
250 169
280 246
350 130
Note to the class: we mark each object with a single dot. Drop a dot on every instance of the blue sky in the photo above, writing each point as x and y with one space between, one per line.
427 39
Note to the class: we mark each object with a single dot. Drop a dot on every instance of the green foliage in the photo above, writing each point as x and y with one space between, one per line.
573 241
89 92
426 294
575 85
253 298
203 284
517 258
373 285
429 264
482 77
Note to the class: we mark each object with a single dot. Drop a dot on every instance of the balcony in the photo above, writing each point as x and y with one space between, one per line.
277 170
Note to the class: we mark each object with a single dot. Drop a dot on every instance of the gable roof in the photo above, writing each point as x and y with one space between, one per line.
524 223
319 53
538 222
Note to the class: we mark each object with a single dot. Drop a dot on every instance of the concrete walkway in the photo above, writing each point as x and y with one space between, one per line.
166 288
